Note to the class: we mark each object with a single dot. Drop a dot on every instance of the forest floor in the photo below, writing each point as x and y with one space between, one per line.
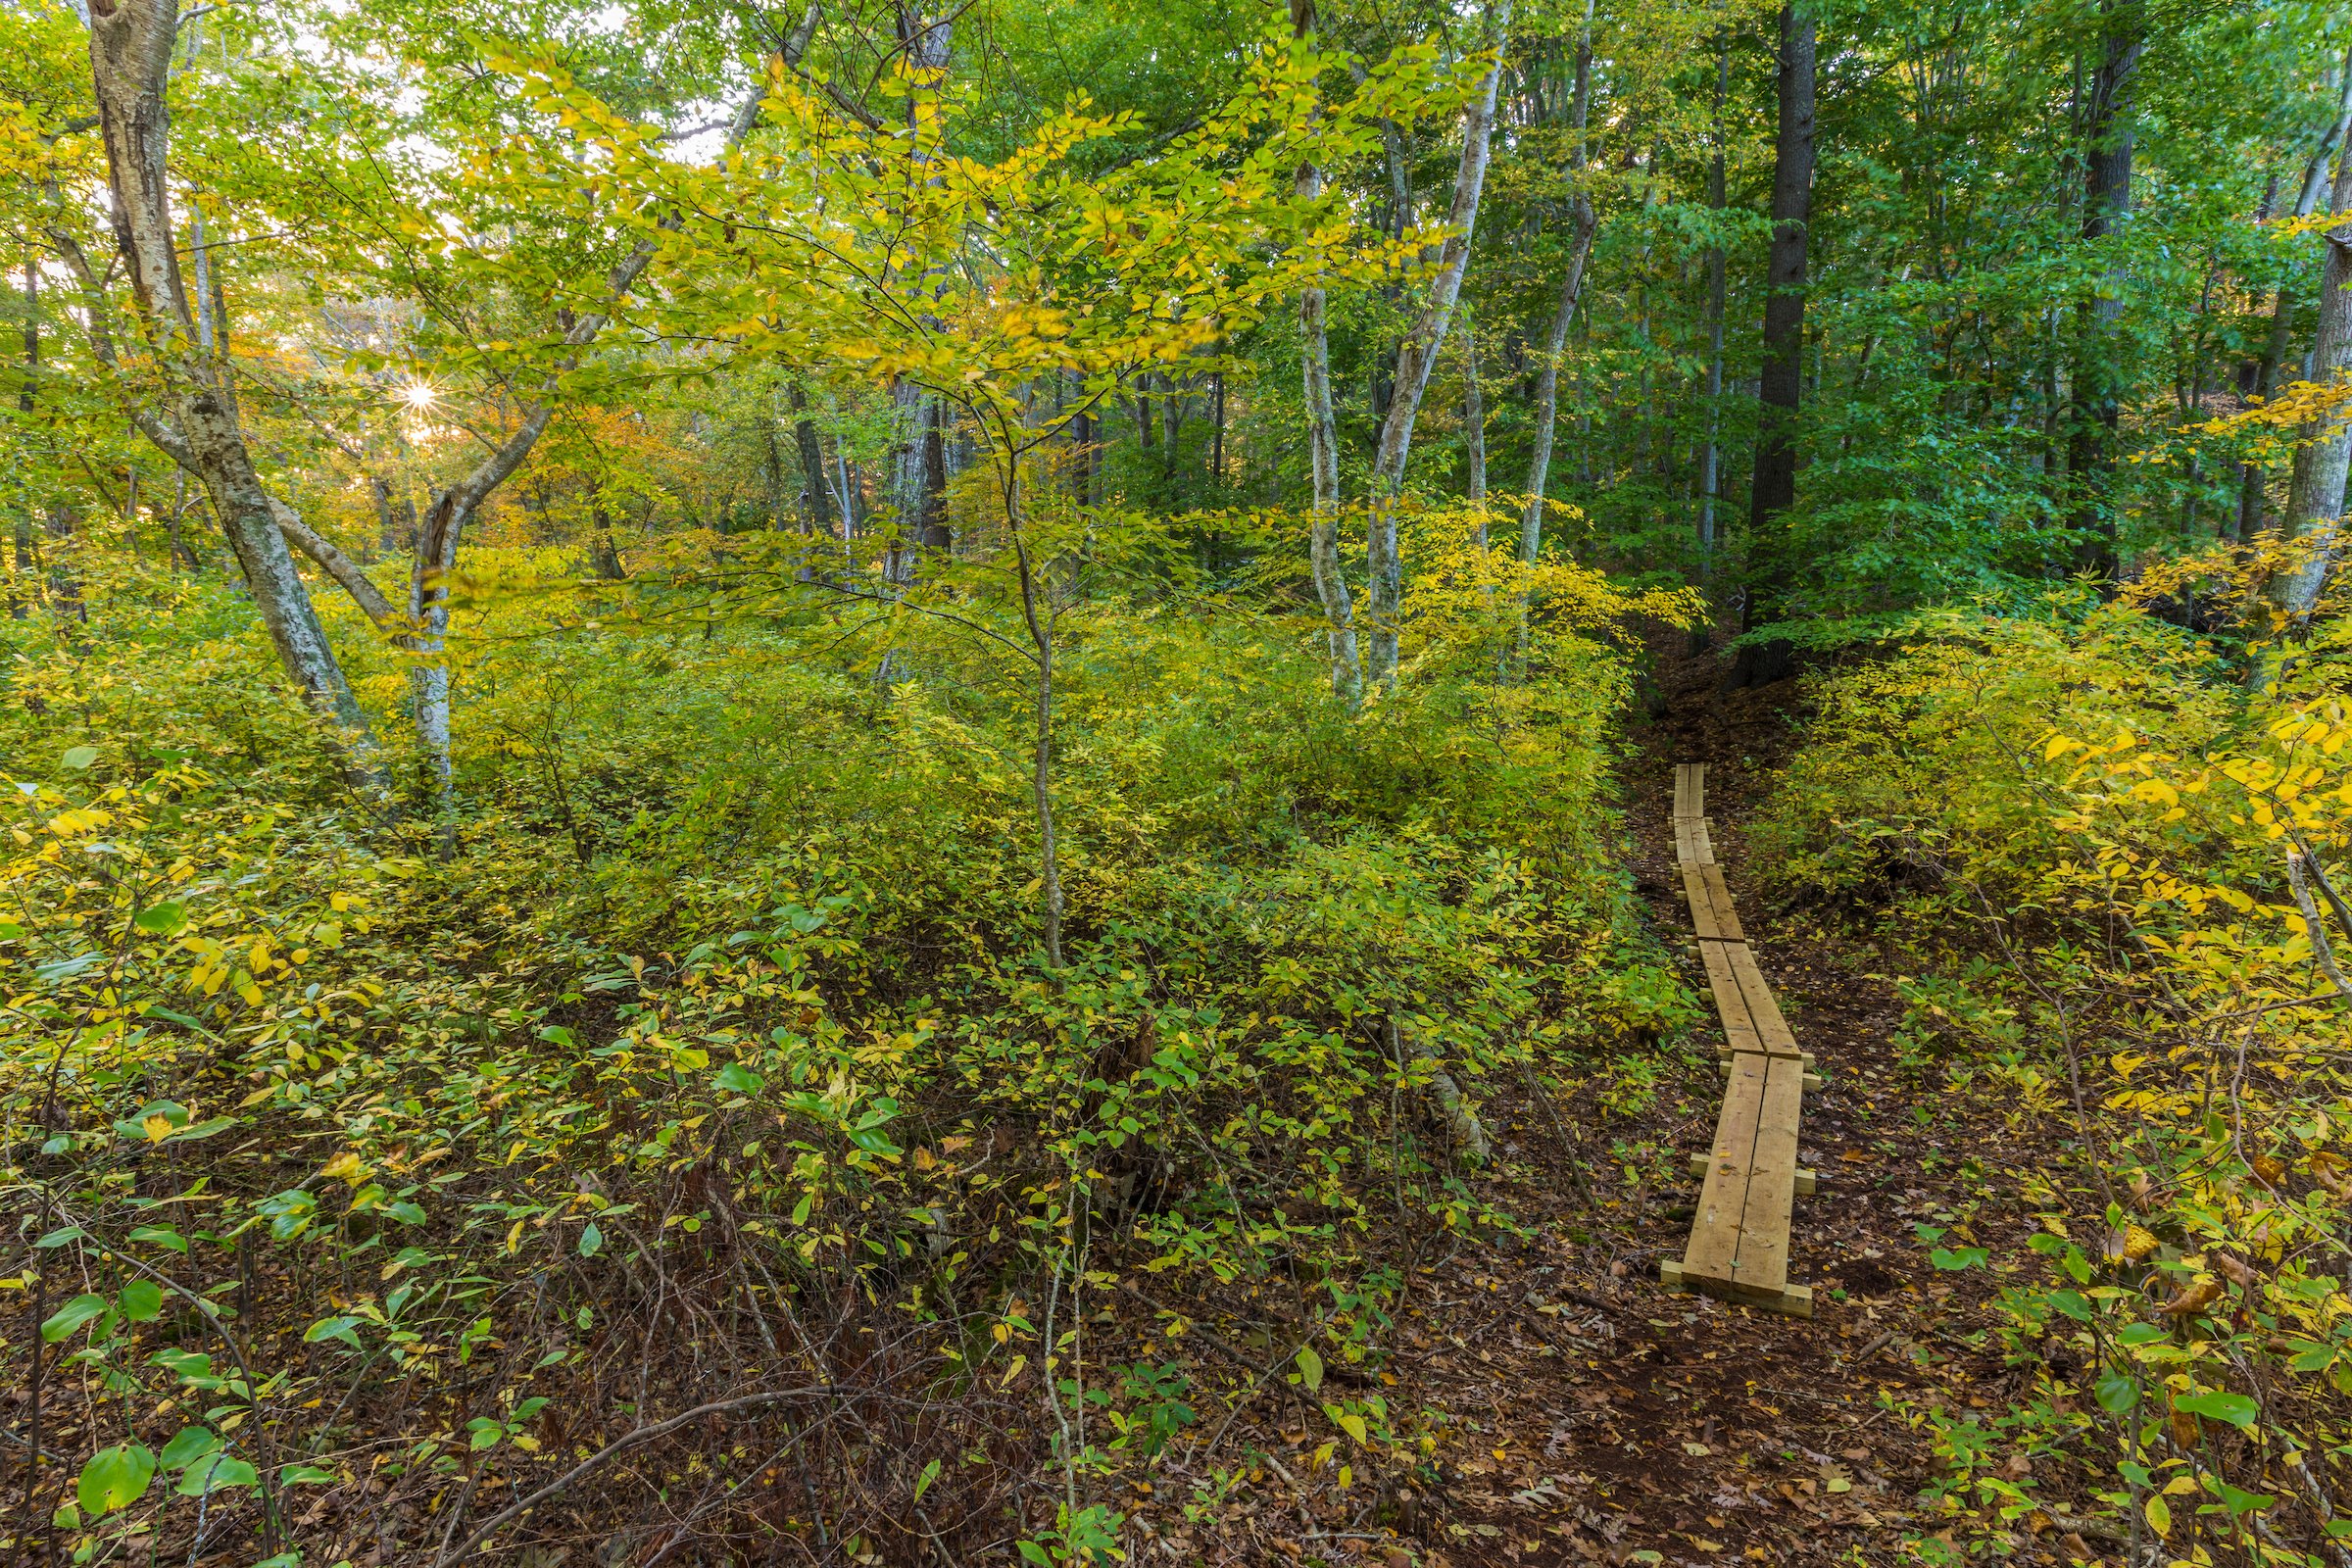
1595 1417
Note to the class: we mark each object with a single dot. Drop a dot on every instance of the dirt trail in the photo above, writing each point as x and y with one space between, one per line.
1591 1416
1605 1419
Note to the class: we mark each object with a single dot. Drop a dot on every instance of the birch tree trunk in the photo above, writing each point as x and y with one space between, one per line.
1323 451
2315 498
1547 377
2251 478
1474 428
130 53
1418 353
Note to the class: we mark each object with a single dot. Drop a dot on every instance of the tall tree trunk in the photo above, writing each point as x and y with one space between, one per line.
2264 381
817 488
935 537
2315 497
1780 388
1547 377
1710 478
1323 451
1417 354
2108 142
130 52
1474 428
1216 450
21 590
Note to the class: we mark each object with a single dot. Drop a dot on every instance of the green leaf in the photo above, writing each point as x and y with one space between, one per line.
2234 1408
305 1475
71 1316
203 1129
592 1240
192 1444
142 1301
2117 1393
741 1079
923 1483
1958 1257
159 1235
486 1433
161 920
1031 1552
216 1472
1310 1368
332 1328
82 757
115 1478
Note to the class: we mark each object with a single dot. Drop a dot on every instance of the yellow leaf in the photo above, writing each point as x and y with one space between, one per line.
2160 1517
157 1128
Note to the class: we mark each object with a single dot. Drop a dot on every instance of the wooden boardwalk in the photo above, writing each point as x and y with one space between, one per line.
1739 1235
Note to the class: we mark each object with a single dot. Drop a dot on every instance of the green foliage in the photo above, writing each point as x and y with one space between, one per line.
736 978
2099 803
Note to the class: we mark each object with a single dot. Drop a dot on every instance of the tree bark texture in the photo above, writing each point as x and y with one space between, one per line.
1780 387
2108 145
1548 376
2315 498
1323 451
2264 383
1710 477
130 52
1418 354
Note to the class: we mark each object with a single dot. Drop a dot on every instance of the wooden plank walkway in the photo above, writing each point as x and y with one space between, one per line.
1749 1179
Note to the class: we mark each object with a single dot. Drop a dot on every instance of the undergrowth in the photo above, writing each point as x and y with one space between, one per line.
703 1158
2107 852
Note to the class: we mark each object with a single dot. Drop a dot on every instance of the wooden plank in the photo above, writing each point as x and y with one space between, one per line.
1694 843
1714 1249
1731 1002
1771 1028
1689 789
1808 1182
1762 1267
1711 911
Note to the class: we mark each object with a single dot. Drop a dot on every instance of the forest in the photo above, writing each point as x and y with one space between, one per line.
859 783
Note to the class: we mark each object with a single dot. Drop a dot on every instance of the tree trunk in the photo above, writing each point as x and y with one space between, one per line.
2264 381
2108 141
1780 388
21 590
131 51
1710 478
1323 451
1418 353
1216 450
817 488
2315 498
1473 430
1547 378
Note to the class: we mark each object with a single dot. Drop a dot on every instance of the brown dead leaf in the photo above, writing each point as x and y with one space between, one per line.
2195 1299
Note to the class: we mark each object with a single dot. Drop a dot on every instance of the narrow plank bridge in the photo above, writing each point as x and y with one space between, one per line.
1739 1233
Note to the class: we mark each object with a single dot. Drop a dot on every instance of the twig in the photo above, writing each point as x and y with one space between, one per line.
2312 928
613 1450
